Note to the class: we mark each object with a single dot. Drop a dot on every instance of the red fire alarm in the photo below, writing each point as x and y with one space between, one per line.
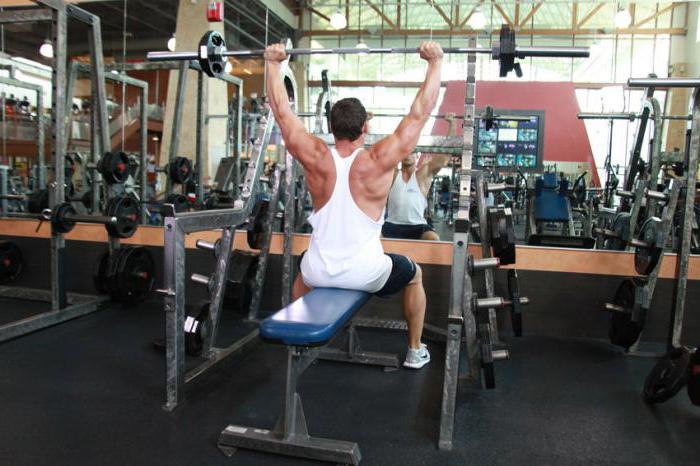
215 12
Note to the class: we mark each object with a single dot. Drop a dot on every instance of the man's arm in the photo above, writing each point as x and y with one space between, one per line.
302 145
396 147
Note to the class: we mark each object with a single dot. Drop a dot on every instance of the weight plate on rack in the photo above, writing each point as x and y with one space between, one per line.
180 170
179 201
38 201
624 331
99 276
126 209
668 376
516 316
646 258
256 223
621 226
241 281
135 275
114 167
197 327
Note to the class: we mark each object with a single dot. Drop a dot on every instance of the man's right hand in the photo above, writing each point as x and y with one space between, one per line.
430 51
276 53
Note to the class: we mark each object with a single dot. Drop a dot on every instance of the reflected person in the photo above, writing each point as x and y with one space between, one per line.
408 197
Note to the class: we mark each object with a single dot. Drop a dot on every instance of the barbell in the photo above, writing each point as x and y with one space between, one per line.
212 52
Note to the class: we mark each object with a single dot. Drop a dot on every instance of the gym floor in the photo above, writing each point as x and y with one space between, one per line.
90 392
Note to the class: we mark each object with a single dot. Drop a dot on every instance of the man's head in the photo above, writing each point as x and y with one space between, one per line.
348 119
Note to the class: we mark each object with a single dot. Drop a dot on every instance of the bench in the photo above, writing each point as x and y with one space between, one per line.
308 327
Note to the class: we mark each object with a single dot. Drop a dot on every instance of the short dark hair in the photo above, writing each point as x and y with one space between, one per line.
348 117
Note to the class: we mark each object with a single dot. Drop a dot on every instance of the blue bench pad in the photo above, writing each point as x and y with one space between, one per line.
313 319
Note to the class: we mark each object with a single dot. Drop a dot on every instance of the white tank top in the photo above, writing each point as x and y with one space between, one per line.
406 204
345 249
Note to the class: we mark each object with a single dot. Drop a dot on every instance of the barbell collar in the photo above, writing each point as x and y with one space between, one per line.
663 82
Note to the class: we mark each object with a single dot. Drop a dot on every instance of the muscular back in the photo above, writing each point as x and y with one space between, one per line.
369 181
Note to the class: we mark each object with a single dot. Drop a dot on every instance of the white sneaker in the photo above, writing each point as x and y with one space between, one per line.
417 358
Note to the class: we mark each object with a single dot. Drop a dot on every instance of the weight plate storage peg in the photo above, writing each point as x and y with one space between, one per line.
11 262
646 256
627 320
126 209
668 376
694 378
114 167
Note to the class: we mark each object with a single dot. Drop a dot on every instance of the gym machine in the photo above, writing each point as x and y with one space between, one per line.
633 298
64 305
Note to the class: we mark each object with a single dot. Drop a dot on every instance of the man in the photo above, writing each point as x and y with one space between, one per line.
408 195
349 186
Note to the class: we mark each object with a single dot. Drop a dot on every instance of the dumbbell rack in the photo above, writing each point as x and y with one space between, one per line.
64 306
469 317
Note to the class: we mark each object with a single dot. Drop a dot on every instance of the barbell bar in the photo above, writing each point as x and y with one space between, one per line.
626 116
663 82
212 52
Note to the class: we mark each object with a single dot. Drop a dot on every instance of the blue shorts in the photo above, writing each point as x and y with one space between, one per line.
403 270
400 231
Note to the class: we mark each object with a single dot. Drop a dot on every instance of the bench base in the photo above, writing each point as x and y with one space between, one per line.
295 442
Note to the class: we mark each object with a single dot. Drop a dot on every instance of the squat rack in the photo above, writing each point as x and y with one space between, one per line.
63 306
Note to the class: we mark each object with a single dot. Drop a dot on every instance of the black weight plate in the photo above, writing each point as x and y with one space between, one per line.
213 63
11 262
179 201
645 259
38 201
624 331
668 376
197 327
126 209
99 276
256 227
135 276
180 170
516 318
241 281
694 378
620 225
114 167
60 221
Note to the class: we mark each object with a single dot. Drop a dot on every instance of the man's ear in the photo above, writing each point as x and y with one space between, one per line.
365 127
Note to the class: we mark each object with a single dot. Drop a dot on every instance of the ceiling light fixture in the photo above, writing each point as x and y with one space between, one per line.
478 20
46 49
338 20
172 43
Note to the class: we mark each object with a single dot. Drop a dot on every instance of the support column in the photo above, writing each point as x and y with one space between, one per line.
191 25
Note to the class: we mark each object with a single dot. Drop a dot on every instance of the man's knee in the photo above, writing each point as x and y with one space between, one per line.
418 277
430 235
